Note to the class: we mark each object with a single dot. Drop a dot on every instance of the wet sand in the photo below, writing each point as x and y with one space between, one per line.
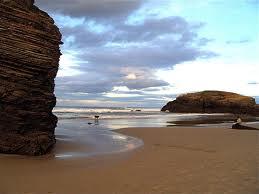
172 161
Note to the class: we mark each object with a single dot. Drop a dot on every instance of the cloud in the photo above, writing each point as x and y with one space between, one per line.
238 41
103 49
154 43
110 102
83 83
119 33
125 54
103 82
98 9
253 83
212 75
120 95
144 83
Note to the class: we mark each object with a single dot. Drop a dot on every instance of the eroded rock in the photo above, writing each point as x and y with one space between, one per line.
29 57
243 127
213 102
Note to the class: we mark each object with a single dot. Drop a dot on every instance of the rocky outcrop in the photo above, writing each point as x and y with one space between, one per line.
29 57
243 127
256 110
213 102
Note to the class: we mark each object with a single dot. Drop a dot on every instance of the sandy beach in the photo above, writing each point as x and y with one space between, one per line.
129 97
172 161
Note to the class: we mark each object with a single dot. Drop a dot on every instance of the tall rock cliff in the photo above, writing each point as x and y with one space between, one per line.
213 102
29 57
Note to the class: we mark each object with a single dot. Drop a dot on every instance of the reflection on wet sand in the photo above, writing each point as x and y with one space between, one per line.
75 138
91 141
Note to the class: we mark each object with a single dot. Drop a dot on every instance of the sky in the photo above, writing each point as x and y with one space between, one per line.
143 53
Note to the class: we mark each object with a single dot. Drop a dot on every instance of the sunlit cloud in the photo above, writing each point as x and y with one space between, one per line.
120 95
212 75
131 76
68 64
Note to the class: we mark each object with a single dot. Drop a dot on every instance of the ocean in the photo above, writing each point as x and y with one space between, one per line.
119 117
104 112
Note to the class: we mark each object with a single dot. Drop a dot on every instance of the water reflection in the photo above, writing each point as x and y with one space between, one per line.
77 139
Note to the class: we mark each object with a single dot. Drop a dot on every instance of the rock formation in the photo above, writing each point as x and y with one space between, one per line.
213 102
29 57
243 127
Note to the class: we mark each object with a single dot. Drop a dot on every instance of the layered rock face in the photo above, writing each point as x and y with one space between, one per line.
29 57
213 102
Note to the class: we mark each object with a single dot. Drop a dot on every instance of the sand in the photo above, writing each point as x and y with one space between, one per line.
172 161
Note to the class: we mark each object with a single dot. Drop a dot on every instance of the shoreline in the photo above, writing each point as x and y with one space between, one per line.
172 160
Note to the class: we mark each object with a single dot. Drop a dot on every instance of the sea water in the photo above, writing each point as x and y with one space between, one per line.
119 117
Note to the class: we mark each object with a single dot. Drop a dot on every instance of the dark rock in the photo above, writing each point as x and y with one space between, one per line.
213 102
238 126
256 110
29 57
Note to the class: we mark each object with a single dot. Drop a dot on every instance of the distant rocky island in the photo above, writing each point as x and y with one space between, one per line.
213 102
29 50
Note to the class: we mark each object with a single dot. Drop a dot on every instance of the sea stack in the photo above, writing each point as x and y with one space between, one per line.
29 58
213 102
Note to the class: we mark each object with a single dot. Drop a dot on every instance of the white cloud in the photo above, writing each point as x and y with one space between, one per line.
68 62
131 76
120 95
100 103
120 89
212 75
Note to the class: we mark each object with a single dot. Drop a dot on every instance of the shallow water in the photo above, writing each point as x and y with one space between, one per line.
84 137
75 138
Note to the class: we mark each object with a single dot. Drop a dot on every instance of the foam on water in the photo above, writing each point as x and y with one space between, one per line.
104 113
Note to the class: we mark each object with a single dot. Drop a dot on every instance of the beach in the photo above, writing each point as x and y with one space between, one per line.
172 160
129 97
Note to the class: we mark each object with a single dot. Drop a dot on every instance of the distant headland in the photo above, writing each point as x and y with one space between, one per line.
213 102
